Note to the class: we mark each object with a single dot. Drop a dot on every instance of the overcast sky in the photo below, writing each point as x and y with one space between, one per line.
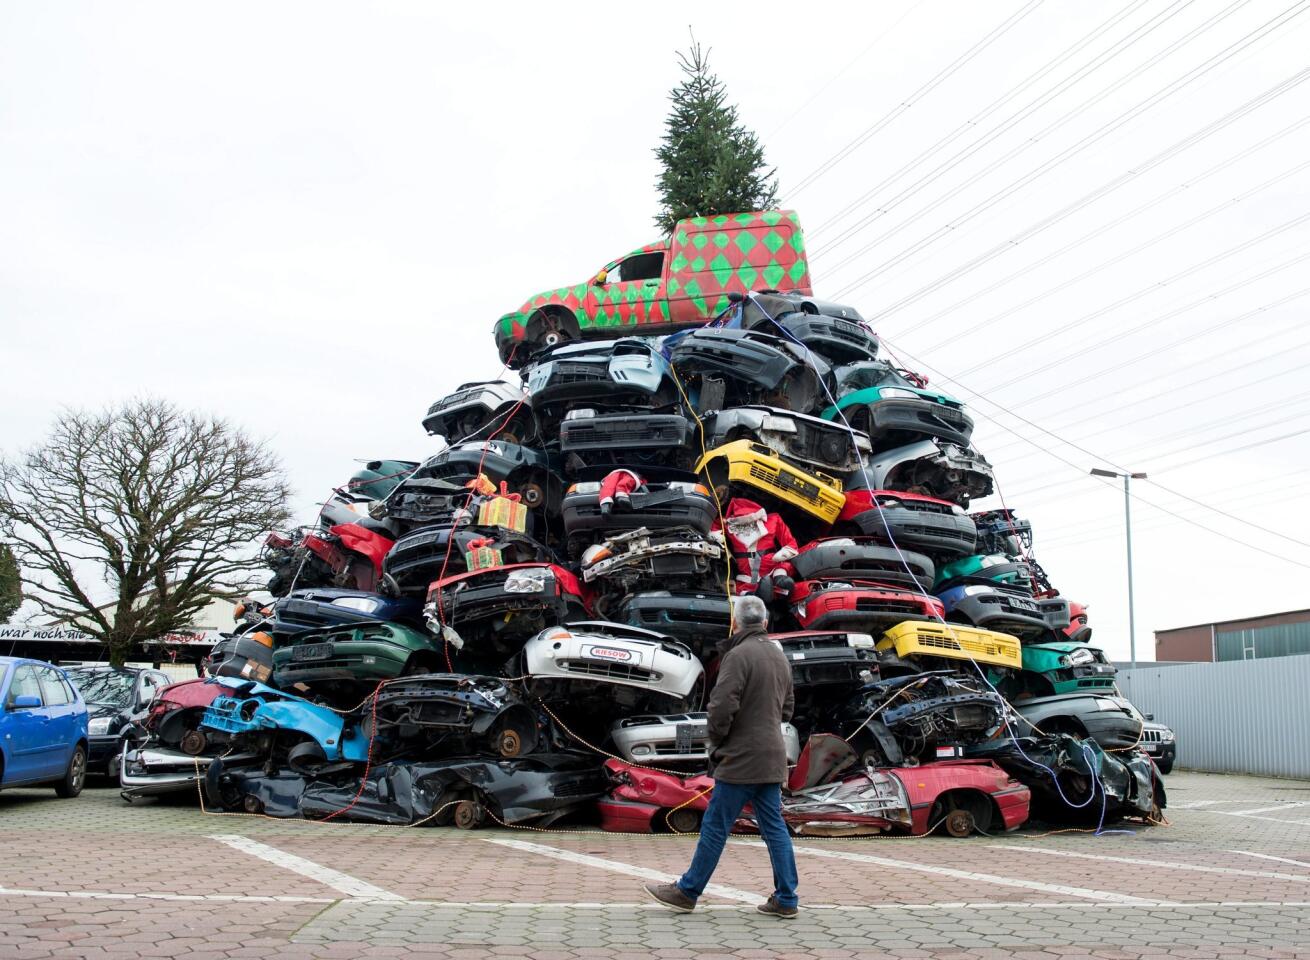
307 217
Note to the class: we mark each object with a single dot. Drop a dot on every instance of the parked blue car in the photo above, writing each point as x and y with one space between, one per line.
43 738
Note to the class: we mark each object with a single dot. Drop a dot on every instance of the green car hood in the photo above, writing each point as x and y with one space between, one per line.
870 395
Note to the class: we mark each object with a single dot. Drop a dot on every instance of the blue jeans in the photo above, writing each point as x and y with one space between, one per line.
725 806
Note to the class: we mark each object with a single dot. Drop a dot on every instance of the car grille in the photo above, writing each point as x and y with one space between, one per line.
873 605
613 671
787 484
577 373
574 787
653 432
1152 736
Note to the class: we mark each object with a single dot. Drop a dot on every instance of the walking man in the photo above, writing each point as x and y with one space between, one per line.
748 760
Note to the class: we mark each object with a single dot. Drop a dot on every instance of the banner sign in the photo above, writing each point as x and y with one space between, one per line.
17 633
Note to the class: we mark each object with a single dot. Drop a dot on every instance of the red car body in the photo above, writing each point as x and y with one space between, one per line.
822 798
860 605
641 799
858 501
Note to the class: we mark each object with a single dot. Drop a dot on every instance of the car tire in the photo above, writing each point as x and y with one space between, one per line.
1164 766
75 776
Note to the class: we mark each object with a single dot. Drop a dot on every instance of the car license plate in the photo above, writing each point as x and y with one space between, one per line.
687 735
311 651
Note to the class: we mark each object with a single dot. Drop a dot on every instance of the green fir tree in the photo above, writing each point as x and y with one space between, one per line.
11 589
711 163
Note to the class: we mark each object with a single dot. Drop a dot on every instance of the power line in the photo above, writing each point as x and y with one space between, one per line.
1147 355
836 76
1099 134
1085 238
1082 468
1173 390
941 77
1134 251
1014 119
987 111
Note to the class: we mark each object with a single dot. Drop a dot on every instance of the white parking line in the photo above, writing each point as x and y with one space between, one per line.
1138 861
350 886
1057 888
1265 856
185 897
584 859
1281 805
1252 816
648 905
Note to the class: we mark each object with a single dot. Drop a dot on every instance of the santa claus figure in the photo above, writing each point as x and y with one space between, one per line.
761 545
617 489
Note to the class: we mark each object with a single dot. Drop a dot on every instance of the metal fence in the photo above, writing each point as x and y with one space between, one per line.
1244 716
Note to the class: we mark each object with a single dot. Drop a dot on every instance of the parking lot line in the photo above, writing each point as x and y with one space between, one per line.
585 859
1266 856
1138 861
350 886
1282 805
1253 816
187 897
1056 888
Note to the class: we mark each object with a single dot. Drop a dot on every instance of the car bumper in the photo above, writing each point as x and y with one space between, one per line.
656 510
148 772
920 417
944 534
651 438
862 561
841 340
102 751
1161 752
626 816
787 484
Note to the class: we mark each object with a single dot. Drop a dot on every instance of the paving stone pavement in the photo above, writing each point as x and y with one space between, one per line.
98 878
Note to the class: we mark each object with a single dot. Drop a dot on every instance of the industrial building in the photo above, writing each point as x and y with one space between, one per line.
1251 638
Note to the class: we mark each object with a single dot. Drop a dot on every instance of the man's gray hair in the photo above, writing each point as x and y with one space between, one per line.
750 611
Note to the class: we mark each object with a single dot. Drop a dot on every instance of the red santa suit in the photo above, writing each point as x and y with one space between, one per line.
617 487
761 542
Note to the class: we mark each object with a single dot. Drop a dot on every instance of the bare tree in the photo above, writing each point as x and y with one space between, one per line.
158 504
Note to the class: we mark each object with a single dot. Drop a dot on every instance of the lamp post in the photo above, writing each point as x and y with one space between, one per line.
1128 532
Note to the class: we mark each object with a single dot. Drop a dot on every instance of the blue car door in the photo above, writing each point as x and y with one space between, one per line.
27 730
65 712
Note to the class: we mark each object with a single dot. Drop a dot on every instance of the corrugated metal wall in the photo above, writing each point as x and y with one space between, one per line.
1257 643
1250 716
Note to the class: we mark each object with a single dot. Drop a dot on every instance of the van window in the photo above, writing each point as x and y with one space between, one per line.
642 266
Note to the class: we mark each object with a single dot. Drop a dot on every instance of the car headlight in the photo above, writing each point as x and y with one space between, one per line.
780 424
526 581
98 726
977 589
362 604
1167 735
1081 655
897 393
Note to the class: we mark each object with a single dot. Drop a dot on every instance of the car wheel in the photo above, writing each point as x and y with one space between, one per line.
684 820
468 814
509 744
1164 766
74 776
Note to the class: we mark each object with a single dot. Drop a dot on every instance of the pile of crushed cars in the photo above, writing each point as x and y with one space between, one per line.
524 626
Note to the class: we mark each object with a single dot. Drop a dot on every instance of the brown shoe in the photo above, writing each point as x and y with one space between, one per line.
772 908
671 895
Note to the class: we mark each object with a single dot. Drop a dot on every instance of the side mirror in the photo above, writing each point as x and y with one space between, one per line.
1150 717
25 702
600 278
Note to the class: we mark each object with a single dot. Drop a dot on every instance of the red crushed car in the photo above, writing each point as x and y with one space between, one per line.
823 798
939 528
859 605
649 801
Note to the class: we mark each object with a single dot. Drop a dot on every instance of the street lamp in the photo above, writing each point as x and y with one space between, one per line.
1128 531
